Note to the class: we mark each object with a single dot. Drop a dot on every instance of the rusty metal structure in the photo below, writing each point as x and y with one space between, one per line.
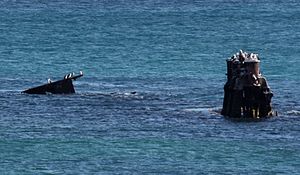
247 94
64 86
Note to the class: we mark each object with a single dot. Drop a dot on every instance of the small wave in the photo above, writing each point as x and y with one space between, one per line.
9 79
206 111
133 95
121 94
127 95
92 84
293 112
8 90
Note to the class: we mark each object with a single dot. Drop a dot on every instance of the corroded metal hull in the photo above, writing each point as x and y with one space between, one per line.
64 86
251 119
247 95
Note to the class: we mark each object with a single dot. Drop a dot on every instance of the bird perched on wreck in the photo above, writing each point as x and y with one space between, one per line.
64 86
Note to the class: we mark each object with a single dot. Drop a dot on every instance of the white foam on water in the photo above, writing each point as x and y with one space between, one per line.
205 111
293 112
94 84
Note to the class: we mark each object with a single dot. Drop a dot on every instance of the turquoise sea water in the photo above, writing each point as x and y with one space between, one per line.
172 53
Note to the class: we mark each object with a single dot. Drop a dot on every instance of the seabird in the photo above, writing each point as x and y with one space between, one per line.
69 75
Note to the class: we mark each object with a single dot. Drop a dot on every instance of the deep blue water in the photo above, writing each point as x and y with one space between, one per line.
172 53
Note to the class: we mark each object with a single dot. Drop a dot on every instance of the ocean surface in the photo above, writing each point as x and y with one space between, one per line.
172 54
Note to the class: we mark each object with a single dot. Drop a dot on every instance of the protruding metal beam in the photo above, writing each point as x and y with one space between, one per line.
64 86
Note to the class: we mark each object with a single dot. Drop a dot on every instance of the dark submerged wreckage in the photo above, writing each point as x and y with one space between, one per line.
247 95
64 86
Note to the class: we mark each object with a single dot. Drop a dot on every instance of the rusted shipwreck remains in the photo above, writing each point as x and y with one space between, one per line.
247 94
64 86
